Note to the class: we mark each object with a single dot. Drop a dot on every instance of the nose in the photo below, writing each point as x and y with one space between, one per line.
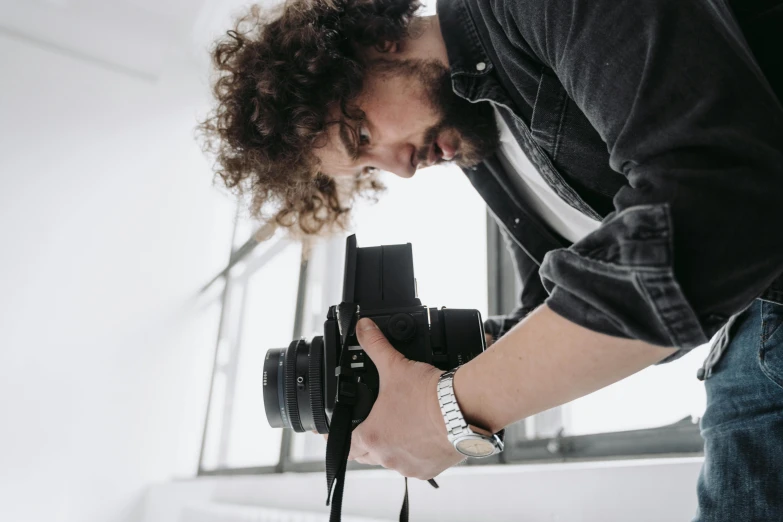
398 159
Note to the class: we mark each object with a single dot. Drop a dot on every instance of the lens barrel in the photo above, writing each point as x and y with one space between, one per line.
274 377
294 387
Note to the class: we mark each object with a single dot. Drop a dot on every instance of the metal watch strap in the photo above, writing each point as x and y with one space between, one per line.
455 422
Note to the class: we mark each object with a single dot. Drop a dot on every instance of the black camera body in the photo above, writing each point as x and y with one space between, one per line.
301 383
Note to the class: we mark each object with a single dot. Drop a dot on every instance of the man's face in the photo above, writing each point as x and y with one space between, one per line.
413 119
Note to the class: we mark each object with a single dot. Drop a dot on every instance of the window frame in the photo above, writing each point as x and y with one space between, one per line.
678 439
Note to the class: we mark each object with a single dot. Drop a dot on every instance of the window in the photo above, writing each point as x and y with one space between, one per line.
259 305
276 292
655 411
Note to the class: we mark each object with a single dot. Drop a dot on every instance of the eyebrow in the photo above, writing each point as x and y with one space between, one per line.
348 143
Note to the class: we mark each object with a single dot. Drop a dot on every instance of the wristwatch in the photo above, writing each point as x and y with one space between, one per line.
468 440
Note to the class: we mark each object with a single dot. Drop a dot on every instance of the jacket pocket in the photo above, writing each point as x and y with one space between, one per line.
573 146
549 111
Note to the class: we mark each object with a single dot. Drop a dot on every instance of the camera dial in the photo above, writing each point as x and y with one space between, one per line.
402 327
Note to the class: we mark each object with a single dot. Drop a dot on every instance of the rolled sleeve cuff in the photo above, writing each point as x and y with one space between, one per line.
619 281
498 325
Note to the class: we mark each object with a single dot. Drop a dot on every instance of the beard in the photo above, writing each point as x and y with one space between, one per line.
473 123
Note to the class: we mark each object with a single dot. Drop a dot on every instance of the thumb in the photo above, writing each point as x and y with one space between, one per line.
375 344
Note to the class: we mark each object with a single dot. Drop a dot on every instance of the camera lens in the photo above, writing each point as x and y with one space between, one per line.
293 387
273 382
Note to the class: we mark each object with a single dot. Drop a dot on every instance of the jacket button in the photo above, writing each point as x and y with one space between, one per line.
481 66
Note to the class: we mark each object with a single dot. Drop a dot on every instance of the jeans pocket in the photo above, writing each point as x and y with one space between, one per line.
771 350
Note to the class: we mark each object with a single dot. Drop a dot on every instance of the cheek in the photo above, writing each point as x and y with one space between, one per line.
404 115
400 101
399 120
332 163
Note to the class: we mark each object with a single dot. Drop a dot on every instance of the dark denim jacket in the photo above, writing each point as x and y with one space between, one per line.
654 116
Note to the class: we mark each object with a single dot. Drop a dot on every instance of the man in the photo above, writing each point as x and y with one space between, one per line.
632 154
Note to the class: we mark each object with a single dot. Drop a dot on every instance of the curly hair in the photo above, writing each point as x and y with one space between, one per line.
280 76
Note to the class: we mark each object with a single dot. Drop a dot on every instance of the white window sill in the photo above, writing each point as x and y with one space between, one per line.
601 491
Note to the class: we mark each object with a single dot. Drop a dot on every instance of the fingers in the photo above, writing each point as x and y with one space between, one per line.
358 454
375 344
367 459
490 339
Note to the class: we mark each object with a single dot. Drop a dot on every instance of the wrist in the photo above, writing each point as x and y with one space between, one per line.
475 405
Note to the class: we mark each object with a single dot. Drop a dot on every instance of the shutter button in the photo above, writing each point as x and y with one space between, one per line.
481 66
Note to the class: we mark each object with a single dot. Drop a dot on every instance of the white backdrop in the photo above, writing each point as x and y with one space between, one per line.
109 225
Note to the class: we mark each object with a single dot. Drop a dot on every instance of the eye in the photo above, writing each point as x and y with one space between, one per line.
387 46
364 136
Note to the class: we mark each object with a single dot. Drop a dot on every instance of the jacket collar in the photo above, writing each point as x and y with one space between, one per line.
467 57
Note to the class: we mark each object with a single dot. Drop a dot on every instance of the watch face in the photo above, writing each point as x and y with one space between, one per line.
475 447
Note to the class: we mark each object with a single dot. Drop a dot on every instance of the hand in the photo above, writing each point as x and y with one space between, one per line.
489 339
405 430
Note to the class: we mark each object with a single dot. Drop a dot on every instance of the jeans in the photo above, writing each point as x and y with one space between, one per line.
742 475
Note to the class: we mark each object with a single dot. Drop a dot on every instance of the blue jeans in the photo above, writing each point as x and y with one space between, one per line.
742 476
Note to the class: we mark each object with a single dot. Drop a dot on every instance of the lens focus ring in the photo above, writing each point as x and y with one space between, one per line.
315 371
290 387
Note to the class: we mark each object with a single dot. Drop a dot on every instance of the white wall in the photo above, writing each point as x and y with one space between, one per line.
109 225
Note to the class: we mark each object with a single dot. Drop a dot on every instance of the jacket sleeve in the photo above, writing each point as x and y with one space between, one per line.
689 118
531 296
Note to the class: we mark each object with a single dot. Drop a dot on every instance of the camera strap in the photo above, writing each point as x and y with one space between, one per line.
404 510
338 445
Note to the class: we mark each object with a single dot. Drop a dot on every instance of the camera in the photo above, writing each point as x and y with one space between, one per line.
300 383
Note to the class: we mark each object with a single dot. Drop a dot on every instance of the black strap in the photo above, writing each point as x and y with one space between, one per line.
337 447
404 510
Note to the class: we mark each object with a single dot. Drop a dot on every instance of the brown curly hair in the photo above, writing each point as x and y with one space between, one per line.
280 74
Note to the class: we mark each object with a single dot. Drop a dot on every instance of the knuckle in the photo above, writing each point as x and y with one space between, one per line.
411 473
374 337
369 460
389 462
424 476
370 439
